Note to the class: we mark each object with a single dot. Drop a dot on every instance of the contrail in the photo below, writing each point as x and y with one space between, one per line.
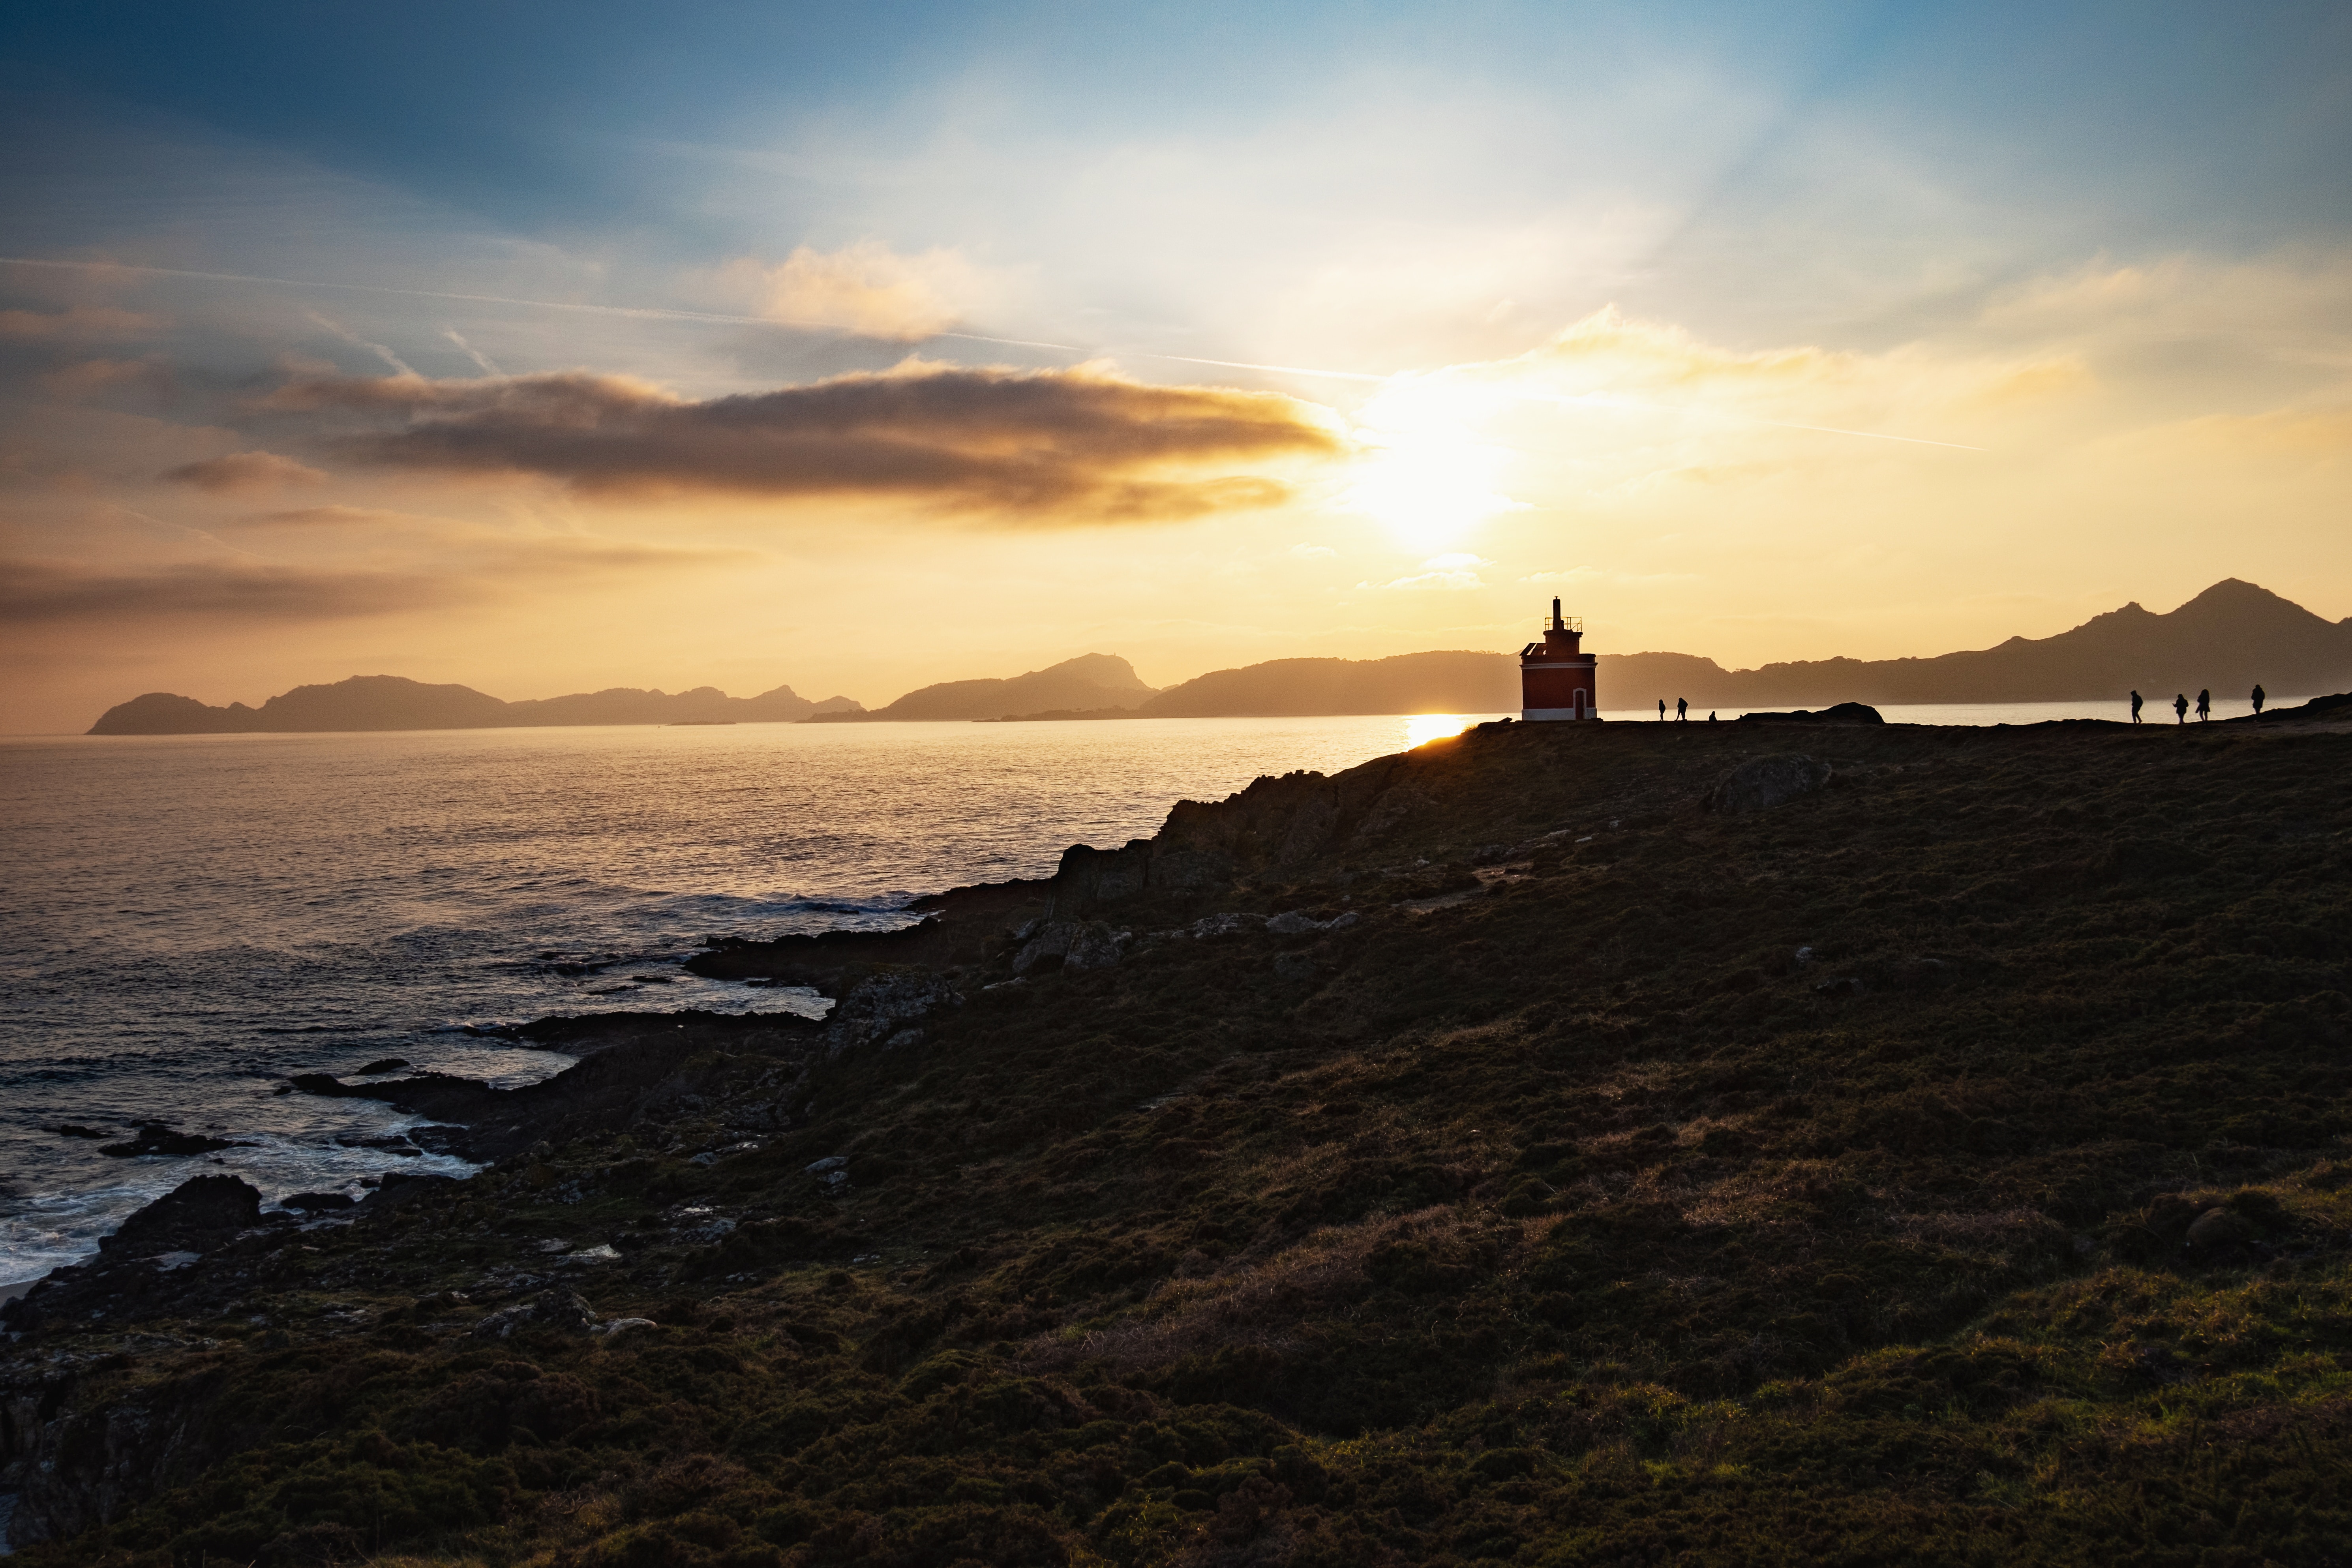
641 313
476 355
658 313
399 366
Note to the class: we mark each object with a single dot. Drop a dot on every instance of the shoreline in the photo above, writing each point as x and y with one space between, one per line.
958 928
961 927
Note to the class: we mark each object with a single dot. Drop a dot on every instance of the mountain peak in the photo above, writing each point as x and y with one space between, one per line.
1104 669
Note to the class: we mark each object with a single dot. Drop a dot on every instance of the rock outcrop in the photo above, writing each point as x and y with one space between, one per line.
1838 713
884 1008
1762 783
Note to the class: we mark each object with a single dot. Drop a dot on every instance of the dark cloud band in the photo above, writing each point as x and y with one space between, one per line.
1061 447
38 594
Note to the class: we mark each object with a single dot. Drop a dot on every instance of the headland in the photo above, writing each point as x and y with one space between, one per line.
1586 1144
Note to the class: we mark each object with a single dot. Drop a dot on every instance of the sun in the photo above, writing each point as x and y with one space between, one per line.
1428 473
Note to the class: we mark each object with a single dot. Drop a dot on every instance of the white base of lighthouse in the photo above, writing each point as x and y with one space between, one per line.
1549 715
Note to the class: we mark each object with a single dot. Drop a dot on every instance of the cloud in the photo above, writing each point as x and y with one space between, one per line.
866 288
83 324
1062 447
241 473
91 377
51 594
1313 552
335 517
36 592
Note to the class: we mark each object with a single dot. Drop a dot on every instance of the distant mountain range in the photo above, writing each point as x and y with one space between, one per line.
2227 638
393 702
1093 681
1288 688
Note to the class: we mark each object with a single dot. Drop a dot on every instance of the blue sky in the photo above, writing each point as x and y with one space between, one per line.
1897 216
2066 129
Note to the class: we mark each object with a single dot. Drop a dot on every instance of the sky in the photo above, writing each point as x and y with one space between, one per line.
546 349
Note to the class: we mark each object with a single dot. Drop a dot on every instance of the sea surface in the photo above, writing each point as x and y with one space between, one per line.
188 920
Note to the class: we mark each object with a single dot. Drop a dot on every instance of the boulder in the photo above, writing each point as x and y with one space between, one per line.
1762 783
197 1215
2218 1228
1841 713
556 1308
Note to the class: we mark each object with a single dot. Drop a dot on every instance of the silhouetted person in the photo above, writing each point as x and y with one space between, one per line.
1661 709
2179 707
2204 705
1710 715
2258 699
2135 707
1682 710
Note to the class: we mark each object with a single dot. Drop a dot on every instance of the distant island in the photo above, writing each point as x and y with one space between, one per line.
393 702
1090 682
2227 638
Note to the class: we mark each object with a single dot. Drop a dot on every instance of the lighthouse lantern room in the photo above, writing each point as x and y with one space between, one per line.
1556 674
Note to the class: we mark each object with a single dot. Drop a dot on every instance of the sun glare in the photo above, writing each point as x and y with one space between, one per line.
1422 728
1430 477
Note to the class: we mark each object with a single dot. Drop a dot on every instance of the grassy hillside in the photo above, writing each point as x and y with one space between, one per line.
1943 1164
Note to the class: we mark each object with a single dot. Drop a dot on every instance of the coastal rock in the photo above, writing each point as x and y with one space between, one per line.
385 1065
317 1203
1079 945
1392 810
195 1217
1210 926
1096 946
1088 877
883 1004
1839 713
1298 923
1762 783
154 1138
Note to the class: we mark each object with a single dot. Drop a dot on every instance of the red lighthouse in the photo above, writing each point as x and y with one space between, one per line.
1556 674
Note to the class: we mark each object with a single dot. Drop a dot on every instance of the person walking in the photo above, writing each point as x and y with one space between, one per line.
2135 707
2204 705
1661 709
2179 707
1682 710
2258 699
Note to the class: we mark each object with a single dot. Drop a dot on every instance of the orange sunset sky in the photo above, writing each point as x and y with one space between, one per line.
747 346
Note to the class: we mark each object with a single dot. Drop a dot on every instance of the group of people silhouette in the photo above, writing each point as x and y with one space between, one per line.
2180 705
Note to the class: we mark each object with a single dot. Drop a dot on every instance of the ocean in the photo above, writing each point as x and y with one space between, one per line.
190 918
